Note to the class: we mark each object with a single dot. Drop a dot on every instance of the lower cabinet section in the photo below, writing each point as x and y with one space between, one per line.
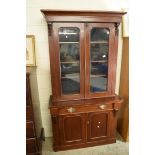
85 123
84 129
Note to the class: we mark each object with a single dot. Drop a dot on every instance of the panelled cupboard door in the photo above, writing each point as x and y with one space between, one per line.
98 126
72 129
68 60
100 41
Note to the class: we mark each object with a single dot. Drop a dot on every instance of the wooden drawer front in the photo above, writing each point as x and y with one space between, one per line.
30 133
31 145
84 109
29 114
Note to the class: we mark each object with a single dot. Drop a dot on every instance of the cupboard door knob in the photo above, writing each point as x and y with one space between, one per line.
71 109
102 106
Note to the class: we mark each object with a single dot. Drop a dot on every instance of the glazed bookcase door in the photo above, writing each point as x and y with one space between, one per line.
69 60
99 57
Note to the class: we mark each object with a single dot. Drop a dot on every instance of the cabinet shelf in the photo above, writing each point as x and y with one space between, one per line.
69 77
99 42
69 62
69 42
93 76
104 61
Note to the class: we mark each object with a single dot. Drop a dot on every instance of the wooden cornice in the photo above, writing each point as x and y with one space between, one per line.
82 16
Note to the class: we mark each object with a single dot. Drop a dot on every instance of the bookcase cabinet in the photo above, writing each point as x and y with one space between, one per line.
83 58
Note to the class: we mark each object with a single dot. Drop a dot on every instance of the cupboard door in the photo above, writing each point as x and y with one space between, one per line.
98 126
69 60
72 129
99 59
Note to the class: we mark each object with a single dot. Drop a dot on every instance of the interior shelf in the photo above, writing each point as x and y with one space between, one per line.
104 61
68 42
69 62
69 77
99 42
93 76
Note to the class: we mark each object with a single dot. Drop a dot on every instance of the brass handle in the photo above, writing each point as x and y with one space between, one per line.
102 106
71 109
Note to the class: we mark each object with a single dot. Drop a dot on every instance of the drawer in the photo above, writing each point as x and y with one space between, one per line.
31 145
85 108
30 132
29 113
73 109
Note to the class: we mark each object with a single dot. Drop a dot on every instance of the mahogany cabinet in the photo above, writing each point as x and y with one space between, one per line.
33 138
83 58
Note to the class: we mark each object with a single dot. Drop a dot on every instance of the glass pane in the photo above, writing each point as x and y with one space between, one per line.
69 52
69 60
70 85
99 46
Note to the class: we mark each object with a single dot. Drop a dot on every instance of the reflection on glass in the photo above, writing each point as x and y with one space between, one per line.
99 59
69 52
99 68
70 69
98 84
69 60
99 51
70 85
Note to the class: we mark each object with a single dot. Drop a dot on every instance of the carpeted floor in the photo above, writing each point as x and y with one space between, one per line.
118 148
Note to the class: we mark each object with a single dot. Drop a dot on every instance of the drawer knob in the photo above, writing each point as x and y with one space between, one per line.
71 109
102 106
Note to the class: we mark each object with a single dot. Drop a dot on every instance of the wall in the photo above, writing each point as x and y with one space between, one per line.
37 26
35 100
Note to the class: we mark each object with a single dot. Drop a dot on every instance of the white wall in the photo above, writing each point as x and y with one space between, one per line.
35 100
37 26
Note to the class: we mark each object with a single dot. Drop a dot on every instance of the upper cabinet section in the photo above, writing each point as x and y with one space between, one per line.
83 53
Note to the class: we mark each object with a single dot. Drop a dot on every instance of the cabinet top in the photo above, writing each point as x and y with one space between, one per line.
82 16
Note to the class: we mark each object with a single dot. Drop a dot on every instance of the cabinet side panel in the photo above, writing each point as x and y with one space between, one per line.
112 124
56 131
114 56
